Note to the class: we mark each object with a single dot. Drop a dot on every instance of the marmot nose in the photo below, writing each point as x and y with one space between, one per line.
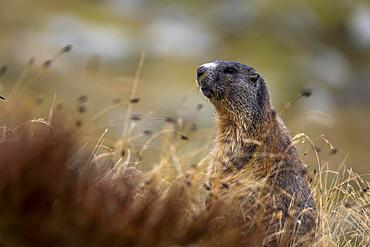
201 71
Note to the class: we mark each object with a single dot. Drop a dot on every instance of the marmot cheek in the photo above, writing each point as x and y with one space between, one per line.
207 91
220 95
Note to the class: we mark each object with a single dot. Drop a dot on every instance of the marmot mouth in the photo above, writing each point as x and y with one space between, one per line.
206 91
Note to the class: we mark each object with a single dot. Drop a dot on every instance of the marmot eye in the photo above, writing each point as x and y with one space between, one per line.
254 78
230 70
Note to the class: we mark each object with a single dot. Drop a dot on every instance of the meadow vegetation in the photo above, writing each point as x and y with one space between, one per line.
61 186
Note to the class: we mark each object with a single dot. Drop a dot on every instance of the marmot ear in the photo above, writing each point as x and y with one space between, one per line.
254 78
230 70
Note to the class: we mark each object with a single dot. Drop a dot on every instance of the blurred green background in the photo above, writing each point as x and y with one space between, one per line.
322 45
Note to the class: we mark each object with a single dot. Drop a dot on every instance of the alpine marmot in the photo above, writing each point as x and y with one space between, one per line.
253 157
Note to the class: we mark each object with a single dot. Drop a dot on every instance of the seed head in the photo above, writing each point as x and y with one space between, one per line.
3 70
31 61
8 134
135 100
78 123
193 127
199 107
135 118
225 185
307 92
82 109
47 63
39 100
148 132
207 186
333 150
67 48
82 99
184 137
169 120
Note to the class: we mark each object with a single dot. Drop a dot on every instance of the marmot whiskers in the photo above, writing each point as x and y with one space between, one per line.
253 157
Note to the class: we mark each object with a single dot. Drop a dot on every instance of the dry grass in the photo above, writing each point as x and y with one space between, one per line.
57 189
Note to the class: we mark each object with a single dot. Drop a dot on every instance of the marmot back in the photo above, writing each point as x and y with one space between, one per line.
253 157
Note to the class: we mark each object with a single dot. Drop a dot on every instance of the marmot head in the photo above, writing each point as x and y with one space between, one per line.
234 88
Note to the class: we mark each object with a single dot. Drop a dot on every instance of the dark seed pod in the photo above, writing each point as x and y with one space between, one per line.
8 134
39 100
67 48
82 109
47 63
193 127
82 99
3 70
184 137
78 123
225 186
169 120
199 107
31 61
135 118
188 182
148 132
134 100
307 92
207 186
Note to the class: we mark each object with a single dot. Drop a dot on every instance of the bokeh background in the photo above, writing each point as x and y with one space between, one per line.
321 45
